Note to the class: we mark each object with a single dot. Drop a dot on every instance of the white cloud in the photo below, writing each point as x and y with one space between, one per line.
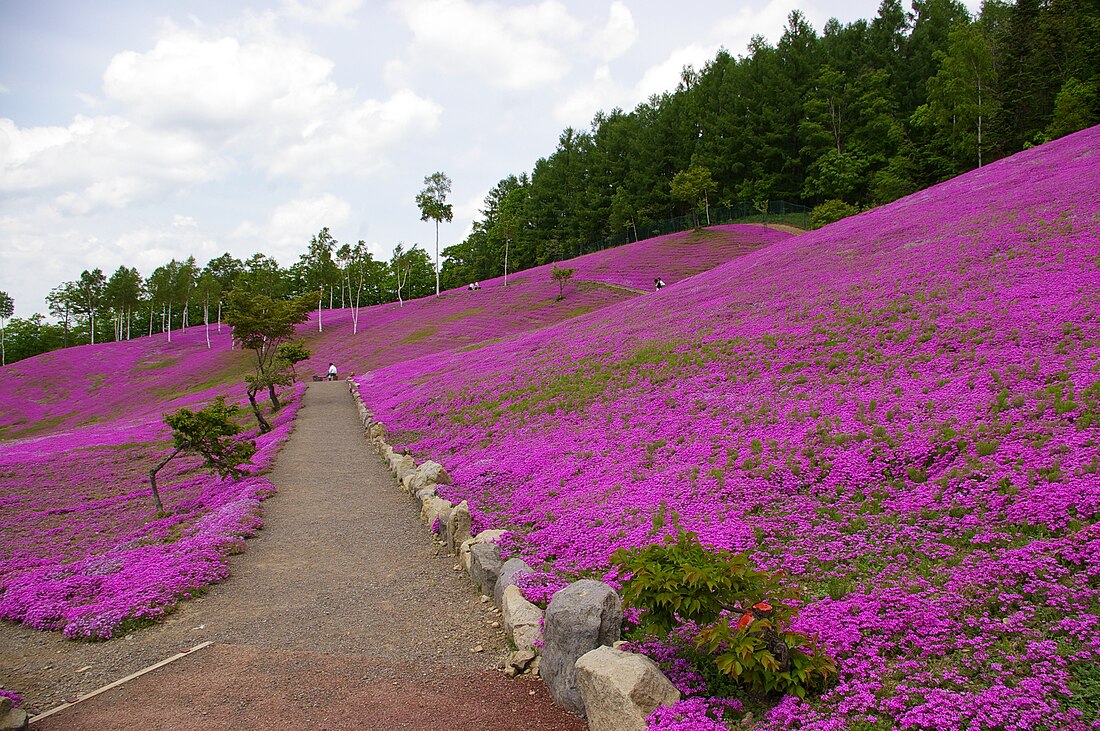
290 226
620 33
266 99
769 21
182 221
604 92
509 46
356 139
219 84
322 12
101 161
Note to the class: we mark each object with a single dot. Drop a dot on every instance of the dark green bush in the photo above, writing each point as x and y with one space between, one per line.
831 212
742 614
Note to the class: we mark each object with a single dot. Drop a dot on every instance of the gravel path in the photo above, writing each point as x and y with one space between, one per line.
343 569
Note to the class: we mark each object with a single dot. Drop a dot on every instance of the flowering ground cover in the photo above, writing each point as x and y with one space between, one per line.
462 320
91 384
901 411
81 549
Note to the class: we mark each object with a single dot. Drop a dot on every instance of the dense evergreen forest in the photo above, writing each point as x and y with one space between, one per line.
855 117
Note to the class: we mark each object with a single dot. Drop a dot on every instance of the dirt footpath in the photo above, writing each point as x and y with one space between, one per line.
342 613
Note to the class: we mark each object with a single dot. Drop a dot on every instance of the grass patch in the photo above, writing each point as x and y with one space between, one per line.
478 345
156 364
418 335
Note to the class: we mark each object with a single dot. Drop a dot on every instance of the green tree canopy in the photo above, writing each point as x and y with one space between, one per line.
208 433
261 324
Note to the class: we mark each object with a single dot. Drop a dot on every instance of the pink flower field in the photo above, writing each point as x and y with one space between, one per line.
459 321
901 411
80 548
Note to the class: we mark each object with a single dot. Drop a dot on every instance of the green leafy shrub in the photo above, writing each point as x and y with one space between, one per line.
830 212
742 614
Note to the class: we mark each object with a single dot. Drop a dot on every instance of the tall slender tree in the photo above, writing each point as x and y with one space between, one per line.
433 205
7 308
90 289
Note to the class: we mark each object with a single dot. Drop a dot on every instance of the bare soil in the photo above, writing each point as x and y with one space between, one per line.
342 613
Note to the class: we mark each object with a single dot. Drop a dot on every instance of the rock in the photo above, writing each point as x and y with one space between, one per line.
401 465
12 719
431 508
441 528
619 689
581 617
429 473
507 577
434 472
425 492
485 566
517 662
457 530
377 430
522 619
485 536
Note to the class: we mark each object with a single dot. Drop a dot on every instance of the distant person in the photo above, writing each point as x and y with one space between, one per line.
332 371
658 283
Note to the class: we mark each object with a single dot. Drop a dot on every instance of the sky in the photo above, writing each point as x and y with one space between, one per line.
137 131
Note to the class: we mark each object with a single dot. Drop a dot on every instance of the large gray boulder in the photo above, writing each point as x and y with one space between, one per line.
620 689
522 619
457 530
581 617
512 568
485 566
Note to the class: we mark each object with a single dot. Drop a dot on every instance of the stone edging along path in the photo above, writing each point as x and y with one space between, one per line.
574 645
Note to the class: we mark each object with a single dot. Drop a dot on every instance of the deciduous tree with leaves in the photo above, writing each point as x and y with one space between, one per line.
209 433
692 186
261 324
561 276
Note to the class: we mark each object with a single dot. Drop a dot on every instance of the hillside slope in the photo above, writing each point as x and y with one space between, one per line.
80 548
460 320
901 410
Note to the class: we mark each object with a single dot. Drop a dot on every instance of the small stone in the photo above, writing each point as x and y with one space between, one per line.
484 598
84 669
495 625
477 649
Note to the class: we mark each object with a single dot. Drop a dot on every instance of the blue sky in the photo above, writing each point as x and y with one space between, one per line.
134 132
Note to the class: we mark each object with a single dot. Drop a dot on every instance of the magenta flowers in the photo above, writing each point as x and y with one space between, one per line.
81 550
901 411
